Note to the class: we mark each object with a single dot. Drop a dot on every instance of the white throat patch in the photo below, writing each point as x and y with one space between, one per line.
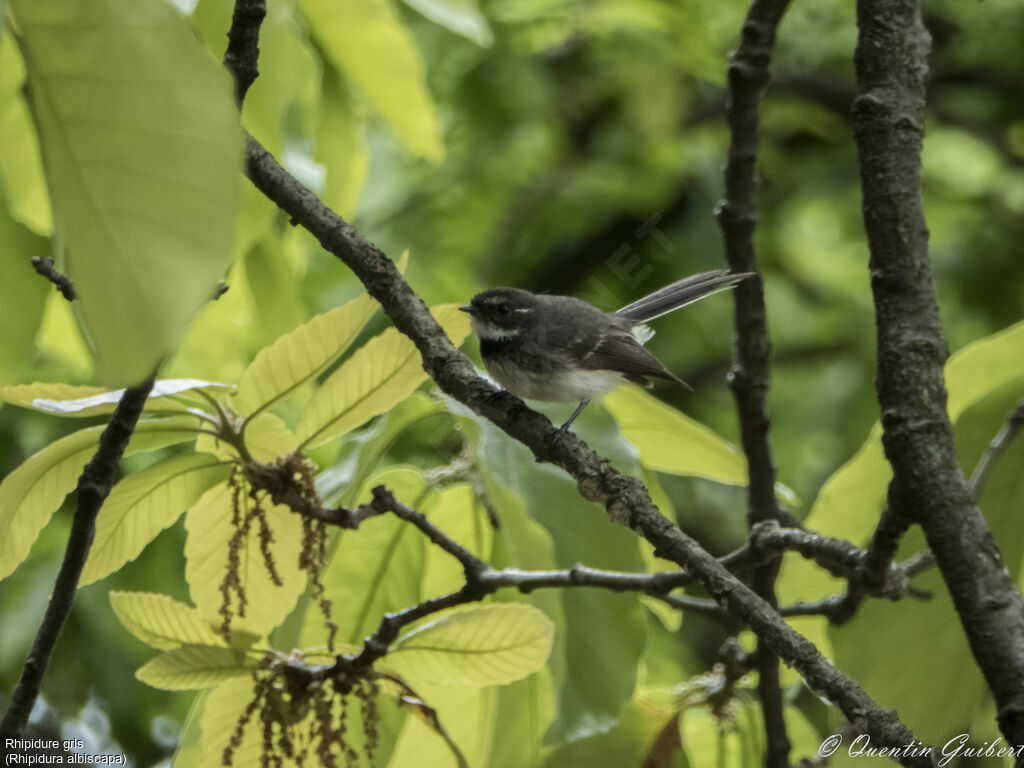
485 330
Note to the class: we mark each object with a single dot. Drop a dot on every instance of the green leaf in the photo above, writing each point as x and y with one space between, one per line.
301 355
669 441
142 148
192 667
361 451
587 703
624 744
852 498
357 36
267 438
378 376
491 645
142 505
22 292
224 706
60 339
82 401
209 528
340 148
21 166
161 621
983 367
462 17
35 490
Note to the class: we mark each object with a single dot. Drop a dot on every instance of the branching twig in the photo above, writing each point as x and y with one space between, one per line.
94 486
625 498
1003 438
928 486
45 267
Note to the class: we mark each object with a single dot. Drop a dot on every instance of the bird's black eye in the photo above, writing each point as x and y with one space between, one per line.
504 309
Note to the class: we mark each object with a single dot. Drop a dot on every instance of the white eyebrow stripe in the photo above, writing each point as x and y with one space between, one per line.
524 309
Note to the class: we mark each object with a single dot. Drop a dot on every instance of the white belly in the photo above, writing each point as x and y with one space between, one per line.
569 387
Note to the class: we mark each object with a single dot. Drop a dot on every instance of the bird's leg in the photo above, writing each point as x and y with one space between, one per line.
565 427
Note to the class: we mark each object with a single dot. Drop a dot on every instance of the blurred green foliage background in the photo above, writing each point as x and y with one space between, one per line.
564 146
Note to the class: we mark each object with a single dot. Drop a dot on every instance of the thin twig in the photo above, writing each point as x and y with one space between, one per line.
94 486
45 266
750 375
999 443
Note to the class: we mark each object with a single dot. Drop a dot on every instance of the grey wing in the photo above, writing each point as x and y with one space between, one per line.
622 353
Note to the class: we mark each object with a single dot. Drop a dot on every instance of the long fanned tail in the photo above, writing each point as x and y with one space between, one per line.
681 293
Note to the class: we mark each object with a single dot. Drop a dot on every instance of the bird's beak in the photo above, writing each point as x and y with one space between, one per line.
467 309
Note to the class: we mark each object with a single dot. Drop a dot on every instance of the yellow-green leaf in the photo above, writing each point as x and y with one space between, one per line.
82 401
489 645
208 523
192 667
669 441
161 621
300 355
21 166
267 438
223 707
366 41
35 490
22 293
142 148
143 504
340 148
378 376
462 17
375 570
983 367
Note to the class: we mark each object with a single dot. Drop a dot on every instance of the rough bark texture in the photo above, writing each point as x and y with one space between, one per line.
928 486
749 73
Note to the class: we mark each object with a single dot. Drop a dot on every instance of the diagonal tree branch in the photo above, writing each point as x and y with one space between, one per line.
750 375
625 498
928 486
94 486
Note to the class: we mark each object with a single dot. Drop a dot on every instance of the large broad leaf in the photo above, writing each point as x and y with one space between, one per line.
297 357
490 645
142 505
209 526
83 401
142 148
161 621
192 667
34 491
382 373
366 41
671 442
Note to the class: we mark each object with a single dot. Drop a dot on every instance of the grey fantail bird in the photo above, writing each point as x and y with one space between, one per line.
562 349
